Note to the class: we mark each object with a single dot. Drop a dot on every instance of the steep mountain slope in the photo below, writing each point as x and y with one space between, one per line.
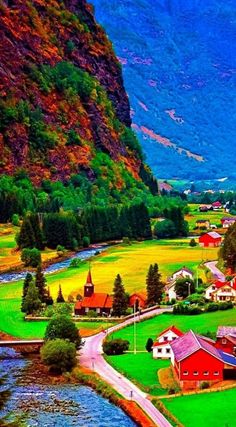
179 65
63 107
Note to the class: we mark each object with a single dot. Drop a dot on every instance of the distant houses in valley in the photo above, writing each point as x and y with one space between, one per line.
161 347
101 303
211 207
227 221
211 239
203 223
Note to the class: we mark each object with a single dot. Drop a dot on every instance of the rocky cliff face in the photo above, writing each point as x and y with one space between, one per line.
61 92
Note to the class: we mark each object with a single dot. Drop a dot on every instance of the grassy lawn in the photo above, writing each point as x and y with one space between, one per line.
205 410
131 262
142 368
199 323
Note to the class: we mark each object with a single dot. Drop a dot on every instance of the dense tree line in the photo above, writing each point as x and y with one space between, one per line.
228 249
154 285
73 230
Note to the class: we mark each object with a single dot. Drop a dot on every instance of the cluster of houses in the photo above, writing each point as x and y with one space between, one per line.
226 222
101 303
212 207
217 291
195 358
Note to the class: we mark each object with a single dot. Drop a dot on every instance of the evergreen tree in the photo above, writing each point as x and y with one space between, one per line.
60 297
32 301
26 236
228 250
120 303
155 286
27 281
40 283
48 299
38 235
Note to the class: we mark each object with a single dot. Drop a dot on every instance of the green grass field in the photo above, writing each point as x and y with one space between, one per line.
205 410
141 367
131 262
199 323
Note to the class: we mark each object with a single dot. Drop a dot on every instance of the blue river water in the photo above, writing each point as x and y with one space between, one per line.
56 405
83 255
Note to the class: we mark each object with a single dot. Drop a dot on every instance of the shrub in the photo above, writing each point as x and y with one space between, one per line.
149 345
126 241
204 385
60 249
64 328
75 263
192 243
212 306
31 257
59 355
225 305
115 347
15 220
70 299
92 313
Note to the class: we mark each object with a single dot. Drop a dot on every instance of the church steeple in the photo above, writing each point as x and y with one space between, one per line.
89 286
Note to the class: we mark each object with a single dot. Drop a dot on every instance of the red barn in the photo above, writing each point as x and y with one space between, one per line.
226 339
211 239
196 360
138 299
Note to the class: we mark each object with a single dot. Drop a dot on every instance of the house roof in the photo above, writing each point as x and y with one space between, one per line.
173 329
228 358
217 204
228 218
211 234
222 331
161 344
218 284
97 300
231 338
89 278
183 269
189 343
141 295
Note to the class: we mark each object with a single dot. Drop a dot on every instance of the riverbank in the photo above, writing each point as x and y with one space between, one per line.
39 374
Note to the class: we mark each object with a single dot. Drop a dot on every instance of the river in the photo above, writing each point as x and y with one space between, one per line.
64 405
57 266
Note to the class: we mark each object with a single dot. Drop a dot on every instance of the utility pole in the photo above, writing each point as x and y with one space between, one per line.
135 344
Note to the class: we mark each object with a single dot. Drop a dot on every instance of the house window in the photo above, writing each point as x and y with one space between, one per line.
195 372
206 373
174 338
159 350
216 373
185 373
168 350
224 341
165 338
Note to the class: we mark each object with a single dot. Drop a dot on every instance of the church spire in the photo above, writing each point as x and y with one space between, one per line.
89 286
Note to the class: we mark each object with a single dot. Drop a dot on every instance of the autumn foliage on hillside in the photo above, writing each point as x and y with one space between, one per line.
62 98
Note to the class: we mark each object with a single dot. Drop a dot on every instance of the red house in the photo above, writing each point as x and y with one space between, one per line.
196 360
99 302
226 339
138 300
216 205
211 239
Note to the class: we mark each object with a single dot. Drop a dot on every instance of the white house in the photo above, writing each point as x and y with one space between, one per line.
161 348
182 273
222 291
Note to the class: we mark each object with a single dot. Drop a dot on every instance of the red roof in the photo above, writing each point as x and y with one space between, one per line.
97 300
140 295
216 204
212 236
89 278
161 344
173 329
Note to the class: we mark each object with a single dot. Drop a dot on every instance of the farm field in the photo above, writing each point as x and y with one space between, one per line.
213 216
203 409
9 257
131 262
143 368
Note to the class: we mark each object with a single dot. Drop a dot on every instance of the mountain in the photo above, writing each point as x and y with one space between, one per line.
63 107
179 64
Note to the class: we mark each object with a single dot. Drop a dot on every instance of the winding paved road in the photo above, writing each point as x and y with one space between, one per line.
218 275
91 357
